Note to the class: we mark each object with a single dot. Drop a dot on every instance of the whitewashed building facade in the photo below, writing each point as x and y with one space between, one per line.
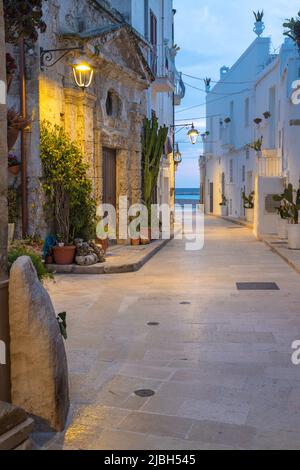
259 86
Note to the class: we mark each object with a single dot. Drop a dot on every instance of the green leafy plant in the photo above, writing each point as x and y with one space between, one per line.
248 201
23 20
66 185
257 144
259 15
292 26
267 115
16 252
290 203
62 323
283 209
153 140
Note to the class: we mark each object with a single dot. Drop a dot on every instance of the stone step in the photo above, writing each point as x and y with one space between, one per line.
15 426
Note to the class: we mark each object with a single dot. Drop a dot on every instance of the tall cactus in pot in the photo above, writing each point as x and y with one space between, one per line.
153 141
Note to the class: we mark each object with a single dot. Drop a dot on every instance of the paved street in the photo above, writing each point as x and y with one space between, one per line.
219 361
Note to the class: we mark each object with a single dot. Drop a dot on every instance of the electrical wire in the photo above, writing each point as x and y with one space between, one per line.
219 81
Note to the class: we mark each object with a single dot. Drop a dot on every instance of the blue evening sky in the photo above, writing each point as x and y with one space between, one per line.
212 34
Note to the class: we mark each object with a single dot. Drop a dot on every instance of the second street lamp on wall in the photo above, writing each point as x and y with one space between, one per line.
83 73
193 135
177 156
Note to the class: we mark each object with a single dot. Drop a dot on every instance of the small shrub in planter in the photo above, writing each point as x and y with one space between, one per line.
292 26
13 164
248 202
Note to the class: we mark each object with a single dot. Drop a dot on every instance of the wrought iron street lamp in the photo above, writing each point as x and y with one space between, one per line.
177 156
193 135
83 73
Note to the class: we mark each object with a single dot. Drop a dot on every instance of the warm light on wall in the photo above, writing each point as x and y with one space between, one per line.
83 73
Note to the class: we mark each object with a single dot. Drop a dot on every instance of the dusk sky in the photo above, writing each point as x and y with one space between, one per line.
212 34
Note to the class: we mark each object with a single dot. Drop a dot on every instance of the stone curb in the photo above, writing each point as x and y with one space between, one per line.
282 256
105 268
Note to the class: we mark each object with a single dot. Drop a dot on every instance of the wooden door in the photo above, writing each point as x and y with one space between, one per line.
211 193
109 177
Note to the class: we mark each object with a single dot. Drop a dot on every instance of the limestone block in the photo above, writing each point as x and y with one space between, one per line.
39 371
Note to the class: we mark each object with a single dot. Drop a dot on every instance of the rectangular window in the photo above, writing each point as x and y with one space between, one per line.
247 112
153 40
244 174
231 171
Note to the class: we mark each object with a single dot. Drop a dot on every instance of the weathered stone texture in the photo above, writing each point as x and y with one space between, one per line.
3 153
38 359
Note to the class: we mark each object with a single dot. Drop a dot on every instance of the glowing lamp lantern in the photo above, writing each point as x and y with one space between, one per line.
83 73
193 135
177 156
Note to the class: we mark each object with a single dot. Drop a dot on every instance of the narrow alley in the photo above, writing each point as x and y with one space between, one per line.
217 361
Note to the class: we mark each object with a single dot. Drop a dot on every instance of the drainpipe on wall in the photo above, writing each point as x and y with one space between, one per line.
23 140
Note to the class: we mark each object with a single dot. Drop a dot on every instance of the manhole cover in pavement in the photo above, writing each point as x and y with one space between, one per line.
153 323
257 286
144 393
185 303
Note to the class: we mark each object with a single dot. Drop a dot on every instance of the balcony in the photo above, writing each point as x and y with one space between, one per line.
227 140
269 165
164 70
179 89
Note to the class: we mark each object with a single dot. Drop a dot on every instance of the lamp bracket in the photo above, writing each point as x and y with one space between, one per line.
47 56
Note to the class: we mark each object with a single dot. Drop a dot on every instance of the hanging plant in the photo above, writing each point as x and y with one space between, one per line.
257 121
23 20
227 120
293 29
267 115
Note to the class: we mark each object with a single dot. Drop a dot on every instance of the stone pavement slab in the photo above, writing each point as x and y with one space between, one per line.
218 361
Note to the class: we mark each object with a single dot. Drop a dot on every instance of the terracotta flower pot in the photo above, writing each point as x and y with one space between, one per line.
14 170
145 236
64 255
49 260
104 243
12 137
135 242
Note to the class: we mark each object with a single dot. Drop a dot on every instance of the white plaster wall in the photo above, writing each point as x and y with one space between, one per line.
264 222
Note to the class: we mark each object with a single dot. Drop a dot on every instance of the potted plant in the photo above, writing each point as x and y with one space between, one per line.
153 141
13 165
70 206
207 83
267 114
257 121
224 207
292 200
283 216
11 67
248 202
257 146
259 25
292 26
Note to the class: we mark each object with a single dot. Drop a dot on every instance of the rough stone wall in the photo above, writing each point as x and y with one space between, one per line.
3 153
117 70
